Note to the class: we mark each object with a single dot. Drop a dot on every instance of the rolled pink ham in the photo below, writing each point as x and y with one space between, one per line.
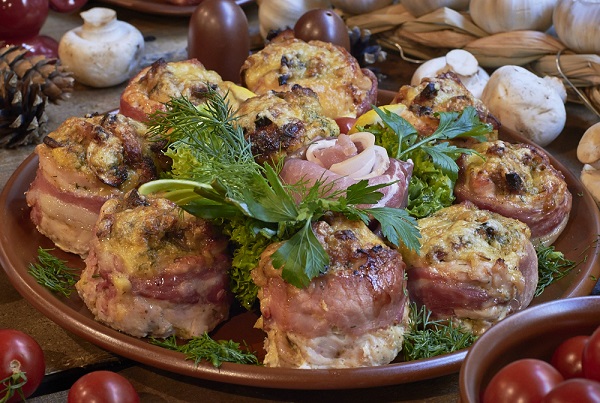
348 159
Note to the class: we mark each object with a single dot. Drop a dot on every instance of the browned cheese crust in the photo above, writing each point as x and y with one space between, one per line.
282 123
444 93
344 89
155 85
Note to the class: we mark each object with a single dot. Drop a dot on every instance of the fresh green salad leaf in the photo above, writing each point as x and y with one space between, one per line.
53 273
205 348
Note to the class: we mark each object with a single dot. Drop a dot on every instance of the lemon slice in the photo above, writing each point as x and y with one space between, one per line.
371 117
237 94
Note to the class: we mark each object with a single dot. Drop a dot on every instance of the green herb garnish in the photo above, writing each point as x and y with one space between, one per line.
552 266
435 169
428 338
205 348
53 273
215 175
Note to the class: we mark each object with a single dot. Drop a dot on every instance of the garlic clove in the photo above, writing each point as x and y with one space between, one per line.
577 24
419 8
588 149
590 178
494 16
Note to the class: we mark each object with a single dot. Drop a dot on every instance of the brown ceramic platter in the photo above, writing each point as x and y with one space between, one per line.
160 7
19 241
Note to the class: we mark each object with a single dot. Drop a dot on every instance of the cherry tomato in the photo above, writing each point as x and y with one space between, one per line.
20 355
102 387
345 124
574 390
525 380
568 355
590 360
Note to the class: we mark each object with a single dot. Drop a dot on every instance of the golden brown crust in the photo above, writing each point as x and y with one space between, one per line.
444 93
282 123
155 85
344 89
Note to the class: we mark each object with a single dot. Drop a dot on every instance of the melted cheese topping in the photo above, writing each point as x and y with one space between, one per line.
464 235
328 70
515 172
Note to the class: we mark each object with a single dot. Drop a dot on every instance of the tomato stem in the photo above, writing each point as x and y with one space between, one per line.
13 383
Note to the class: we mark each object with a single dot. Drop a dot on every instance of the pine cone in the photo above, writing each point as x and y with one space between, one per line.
22 111
56 83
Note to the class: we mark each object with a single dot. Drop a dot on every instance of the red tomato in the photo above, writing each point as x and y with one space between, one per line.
568 355
19 354
574 390
525 380
590 360
102 387
345 124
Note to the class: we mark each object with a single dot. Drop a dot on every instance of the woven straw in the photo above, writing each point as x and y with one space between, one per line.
434 34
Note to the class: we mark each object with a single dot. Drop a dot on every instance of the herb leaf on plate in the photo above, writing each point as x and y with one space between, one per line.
53 273
205 348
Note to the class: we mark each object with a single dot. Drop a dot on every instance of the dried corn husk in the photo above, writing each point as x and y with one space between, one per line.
380 20
447 39
514 47
582 70
445 18
593 94
434 34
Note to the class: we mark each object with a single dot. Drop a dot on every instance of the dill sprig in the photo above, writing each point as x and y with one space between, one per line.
215 175
428 338
53 273
552 266
205 348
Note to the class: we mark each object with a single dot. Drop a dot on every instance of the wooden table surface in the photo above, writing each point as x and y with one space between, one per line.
69 356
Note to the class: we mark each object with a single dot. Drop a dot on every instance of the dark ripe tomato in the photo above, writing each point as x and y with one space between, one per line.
19 353
568 355
574 390
345 124
526 380
102 387
590 360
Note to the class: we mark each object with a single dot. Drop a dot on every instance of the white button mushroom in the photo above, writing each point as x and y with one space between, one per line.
526 104
459 61
103 51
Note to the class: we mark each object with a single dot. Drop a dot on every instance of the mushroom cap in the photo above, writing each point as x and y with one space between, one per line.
588 149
